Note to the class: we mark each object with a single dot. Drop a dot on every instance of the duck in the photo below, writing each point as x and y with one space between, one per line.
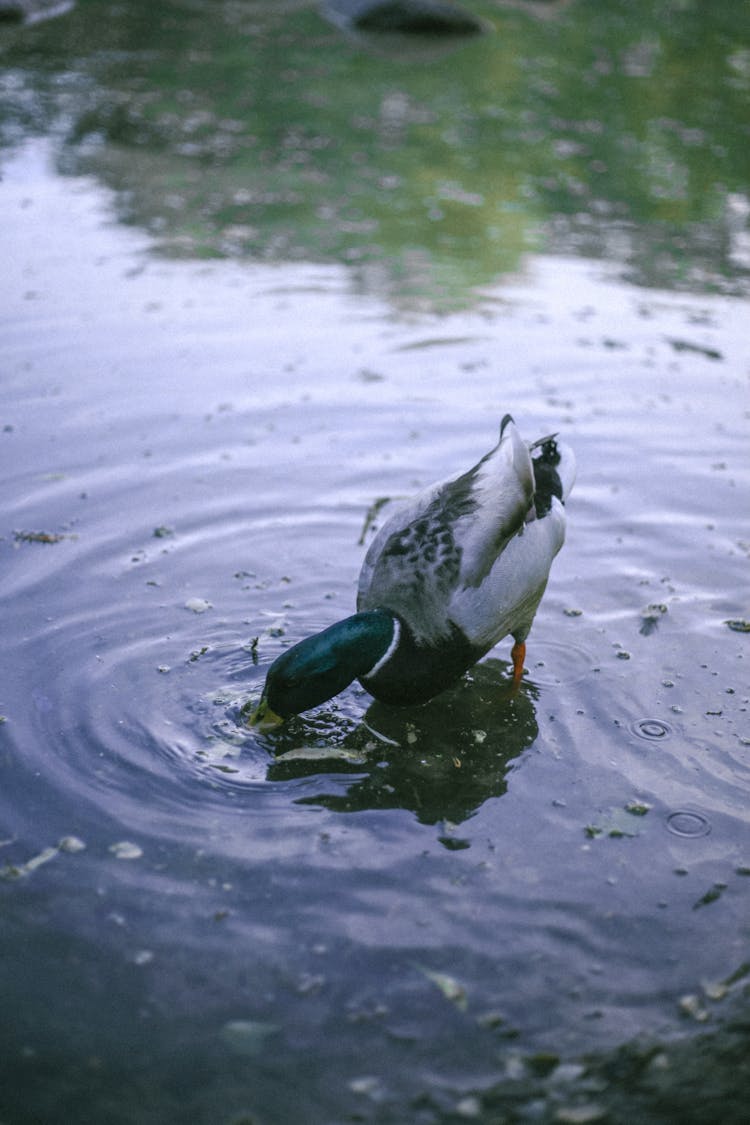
451 572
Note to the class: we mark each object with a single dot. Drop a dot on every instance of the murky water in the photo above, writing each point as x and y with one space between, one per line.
372 915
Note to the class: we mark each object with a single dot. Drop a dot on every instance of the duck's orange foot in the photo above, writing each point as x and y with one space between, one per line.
518 655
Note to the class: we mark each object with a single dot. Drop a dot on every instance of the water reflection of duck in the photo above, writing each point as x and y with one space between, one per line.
450 574
440 762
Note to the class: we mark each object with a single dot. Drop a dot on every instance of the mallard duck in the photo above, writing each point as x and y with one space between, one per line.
452 572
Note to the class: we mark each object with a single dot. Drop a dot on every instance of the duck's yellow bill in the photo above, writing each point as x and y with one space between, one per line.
263 718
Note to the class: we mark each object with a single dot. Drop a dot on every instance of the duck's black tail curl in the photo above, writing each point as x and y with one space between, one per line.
547 481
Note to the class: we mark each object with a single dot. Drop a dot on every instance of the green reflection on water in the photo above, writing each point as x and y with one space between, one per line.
260 130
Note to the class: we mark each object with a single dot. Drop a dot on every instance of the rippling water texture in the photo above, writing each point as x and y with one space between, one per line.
202 444
373 914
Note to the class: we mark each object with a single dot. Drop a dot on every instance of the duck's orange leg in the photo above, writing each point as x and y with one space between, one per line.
518 655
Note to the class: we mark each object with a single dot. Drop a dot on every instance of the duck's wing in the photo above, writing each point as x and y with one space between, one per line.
448 538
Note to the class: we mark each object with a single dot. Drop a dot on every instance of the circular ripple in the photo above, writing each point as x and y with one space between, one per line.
554 662
688 823
653 730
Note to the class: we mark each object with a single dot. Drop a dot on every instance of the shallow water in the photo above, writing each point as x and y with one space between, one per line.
397 908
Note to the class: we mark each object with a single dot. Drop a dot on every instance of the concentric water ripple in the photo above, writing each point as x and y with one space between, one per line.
141 649
653 730
557 662
192 527
688 823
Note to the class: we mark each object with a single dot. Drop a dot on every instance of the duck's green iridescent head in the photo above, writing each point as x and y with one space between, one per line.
321 666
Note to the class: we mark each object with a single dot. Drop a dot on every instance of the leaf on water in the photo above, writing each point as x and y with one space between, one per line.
451 989
711 895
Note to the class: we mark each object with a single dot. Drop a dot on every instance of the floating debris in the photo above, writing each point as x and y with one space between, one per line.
585 1114
40 536
322 754
490 1020
198 605
369 1086
637 808
618 822
163 532
468 1107
697 349
247 1037
451 989
69 844
712 894
739 625
126 849
650 617
691 1006
715 989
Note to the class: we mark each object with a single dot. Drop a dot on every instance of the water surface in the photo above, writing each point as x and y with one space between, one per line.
403 910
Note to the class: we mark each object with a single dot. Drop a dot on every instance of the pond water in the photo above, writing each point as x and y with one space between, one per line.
372 914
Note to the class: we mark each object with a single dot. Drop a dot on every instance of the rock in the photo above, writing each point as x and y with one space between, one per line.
405 17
